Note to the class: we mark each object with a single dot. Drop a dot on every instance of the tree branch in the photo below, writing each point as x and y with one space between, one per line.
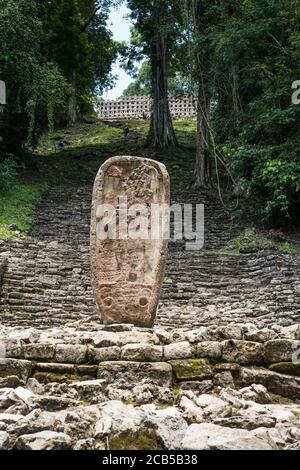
88 22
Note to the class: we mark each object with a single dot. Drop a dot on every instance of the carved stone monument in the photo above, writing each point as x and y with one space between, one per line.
128 243
2 92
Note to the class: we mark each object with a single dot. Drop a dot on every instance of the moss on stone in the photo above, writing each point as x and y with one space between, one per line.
191 369
145 440
286 368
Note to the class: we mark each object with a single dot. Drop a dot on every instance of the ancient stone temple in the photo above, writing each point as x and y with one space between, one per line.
139 106
128 246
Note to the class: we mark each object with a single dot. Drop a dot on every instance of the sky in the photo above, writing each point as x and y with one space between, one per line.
120 27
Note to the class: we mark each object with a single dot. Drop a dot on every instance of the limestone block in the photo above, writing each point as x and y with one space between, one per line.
71 354
45 440
209 349
39 351
15 367
242 352
280 350
182 350
122 373
111 353
206 436
190 369
142 352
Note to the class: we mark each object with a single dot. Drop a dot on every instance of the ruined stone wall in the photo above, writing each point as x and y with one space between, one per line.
134 107
233 355
91 387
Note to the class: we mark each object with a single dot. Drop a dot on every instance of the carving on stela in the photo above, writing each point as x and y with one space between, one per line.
127 274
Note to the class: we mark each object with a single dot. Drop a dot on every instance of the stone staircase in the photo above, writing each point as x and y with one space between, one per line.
47 278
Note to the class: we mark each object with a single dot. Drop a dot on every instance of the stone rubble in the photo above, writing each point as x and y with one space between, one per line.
91 386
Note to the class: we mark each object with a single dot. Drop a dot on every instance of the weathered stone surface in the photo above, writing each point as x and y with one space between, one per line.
127 275
181 350
10 382
54 367
223 379
73 354
242 352
168 423
105 339
209 349
212 437
89 388
53 403
281 384
142 352
286 368
257 393
191 412
280 350
13 348
22 394
39 351
191 369
16 367
257 335
209 400
45 440
112 353
197 387
10 418
119 418
247 422
4 440
159 373
3 262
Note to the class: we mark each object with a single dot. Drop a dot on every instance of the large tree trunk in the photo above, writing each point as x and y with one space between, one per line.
202 163
161 135
235 96
72 110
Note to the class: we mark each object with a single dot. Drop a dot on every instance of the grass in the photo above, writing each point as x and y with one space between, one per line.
87 147
252 241
17 208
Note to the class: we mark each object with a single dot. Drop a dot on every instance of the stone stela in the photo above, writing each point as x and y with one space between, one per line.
127 274
2 92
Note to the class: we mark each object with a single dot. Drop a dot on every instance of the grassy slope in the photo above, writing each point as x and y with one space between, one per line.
88 146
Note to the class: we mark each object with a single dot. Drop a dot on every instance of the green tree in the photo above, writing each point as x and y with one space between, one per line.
156 22
35 87
79 41
256 59
178 83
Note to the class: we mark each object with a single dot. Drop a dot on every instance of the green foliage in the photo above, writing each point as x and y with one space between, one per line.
89 145
251 241
142 83
8 172
78 40
178 81
17 208
35 87
255 61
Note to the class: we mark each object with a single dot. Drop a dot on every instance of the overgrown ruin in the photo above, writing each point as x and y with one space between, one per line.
139 106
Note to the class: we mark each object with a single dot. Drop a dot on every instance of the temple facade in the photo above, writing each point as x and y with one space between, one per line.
140 106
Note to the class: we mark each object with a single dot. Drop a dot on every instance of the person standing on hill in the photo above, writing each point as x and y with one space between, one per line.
126 131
